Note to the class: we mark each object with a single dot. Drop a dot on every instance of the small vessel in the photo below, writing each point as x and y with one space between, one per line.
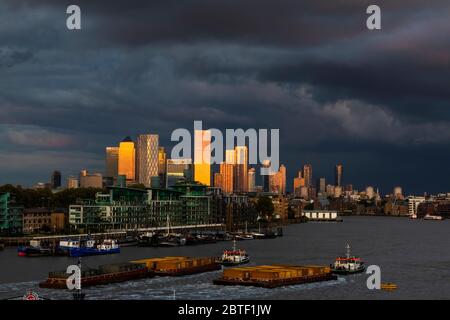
413 216
348 264
35 249
389 286
108 246
234 257
171 239
244 235
148 239
433 217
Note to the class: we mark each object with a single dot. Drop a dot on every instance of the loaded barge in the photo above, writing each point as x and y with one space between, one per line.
180 266
105 274
274 275
145 268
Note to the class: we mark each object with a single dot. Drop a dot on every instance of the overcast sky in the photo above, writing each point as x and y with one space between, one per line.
377 101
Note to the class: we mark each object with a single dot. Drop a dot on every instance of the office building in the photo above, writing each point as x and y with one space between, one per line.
202 157
162 166
112 162
147 158
241 169
11 215
338 172
72 182
91 180
127 159
56 179
307 175
266 177
251 180
179 170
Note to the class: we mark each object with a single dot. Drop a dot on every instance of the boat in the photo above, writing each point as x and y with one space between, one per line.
171 239
433 217
35 249
148 239
67 245
272 276
234 257
413 216
108 246
389 286
244 235
104 274
348 264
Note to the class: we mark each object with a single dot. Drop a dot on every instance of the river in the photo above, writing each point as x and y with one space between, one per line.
414 254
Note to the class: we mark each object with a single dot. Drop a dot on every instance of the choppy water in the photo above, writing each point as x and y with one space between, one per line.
414 254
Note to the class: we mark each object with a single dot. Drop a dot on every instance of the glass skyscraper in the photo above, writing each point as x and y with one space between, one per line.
147 158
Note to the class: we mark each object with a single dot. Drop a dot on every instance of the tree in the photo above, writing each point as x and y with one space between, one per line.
265 207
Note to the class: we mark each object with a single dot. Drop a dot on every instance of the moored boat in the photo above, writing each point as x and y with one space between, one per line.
348 264
108 246
35 249
433 217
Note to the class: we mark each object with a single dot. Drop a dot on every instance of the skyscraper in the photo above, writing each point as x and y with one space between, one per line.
218 180
147 158
202 156
162 167
127 155
277 181
321 186
112 162
266 178
338 172
241 169
307 174
251 180
56 179
227 169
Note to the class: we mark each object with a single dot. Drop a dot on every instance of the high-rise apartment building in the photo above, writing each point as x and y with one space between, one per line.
72 182
127 157
338 172
202 156
147 158
112 162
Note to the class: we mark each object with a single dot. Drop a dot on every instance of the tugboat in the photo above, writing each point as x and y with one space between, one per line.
234 257
348 264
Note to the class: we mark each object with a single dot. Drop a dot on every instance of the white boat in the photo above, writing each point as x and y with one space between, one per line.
433 217
234 257
348 264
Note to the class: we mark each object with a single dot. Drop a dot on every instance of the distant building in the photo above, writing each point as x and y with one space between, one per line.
337 191
227 170
56 179
36 219
179 169
147 158
202 157
338 172
413 204
127 159
241 169
91 180
277 181
251 180
266 178
162 166
112 162
307 174
299 182
321 186
72 182
370 193
398 193
11 215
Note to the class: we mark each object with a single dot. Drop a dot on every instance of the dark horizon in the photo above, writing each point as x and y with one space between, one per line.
376 101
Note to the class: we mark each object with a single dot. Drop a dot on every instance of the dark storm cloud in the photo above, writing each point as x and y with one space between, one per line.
337 91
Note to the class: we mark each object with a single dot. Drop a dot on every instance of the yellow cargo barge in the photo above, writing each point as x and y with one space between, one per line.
274 275
180 266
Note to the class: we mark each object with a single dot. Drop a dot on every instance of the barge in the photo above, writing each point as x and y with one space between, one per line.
180 266
105 274
272 276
